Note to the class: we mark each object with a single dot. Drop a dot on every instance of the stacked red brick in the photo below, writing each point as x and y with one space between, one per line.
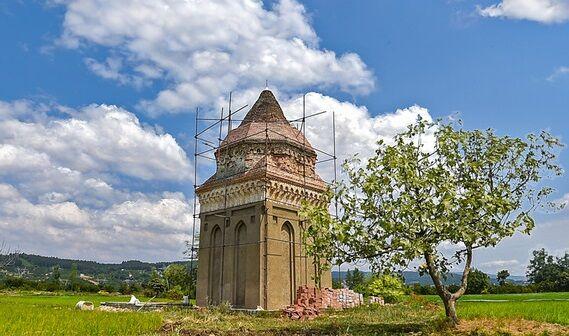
310 301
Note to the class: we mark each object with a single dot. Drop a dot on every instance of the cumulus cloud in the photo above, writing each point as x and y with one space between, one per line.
543 11
111 69
147 229
66 177
206 48
95 139
357 131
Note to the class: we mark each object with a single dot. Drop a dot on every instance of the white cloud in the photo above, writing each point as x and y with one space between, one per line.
146 229
544 11
111 69
559 72
357 131
65 180
95 139
206 48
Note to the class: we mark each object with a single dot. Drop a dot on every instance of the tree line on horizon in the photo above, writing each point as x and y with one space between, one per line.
545 273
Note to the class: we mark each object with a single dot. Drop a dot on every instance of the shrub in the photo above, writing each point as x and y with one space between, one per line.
390 287
175 293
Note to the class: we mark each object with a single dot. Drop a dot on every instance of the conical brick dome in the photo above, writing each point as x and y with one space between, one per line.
265 145
266 121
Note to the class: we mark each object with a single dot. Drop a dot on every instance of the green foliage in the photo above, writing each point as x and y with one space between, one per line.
336 283
390 287
156 286
549 273
175 293
56 273
355 280
132 271
74 278
419 289
478 282
316 240
501 276
437 183
177 275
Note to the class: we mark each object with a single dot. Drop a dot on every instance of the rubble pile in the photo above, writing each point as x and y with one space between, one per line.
310 301
376 300
348 298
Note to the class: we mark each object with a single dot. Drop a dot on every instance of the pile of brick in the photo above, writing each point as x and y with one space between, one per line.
310 301
347 298
376 300
299 312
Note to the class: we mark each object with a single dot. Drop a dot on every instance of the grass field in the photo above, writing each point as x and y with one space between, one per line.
546 307
55 315
27 314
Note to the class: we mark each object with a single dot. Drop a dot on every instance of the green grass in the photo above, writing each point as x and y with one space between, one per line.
545 307
29 314
374 320
55 315
519 297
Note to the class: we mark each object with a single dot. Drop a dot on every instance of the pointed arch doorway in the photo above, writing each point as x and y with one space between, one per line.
287 263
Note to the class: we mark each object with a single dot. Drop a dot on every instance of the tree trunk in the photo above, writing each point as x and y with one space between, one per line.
450 311
449 299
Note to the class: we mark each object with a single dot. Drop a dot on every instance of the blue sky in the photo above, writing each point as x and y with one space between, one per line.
503 65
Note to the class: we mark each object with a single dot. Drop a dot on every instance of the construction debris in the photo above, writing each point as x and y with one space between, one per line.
311 301
376 300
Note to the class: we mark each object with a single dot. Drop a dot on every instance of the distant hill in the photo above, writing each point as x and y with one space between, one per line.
412 277
39 267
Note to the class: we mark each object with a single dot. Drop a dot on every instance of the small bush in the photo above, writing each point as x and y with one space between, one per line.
175 293
390 287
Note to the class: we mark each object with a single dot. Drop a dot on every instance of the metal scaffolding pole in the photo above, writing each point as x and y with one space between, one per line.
192 247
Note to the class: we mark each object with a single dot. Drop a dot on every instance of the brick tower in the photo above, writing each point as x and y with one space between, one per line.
251 251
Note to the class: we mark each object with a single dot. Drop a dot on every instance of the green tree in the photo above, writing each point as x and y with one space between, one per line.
478 282
548 272
156 284
437 183
177 275
74 281
501 276
315 239
355 279
54 280
391 288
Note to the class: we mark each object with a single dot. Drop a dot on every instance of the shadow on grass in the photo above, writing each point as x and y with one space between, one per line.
360 329
325 329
